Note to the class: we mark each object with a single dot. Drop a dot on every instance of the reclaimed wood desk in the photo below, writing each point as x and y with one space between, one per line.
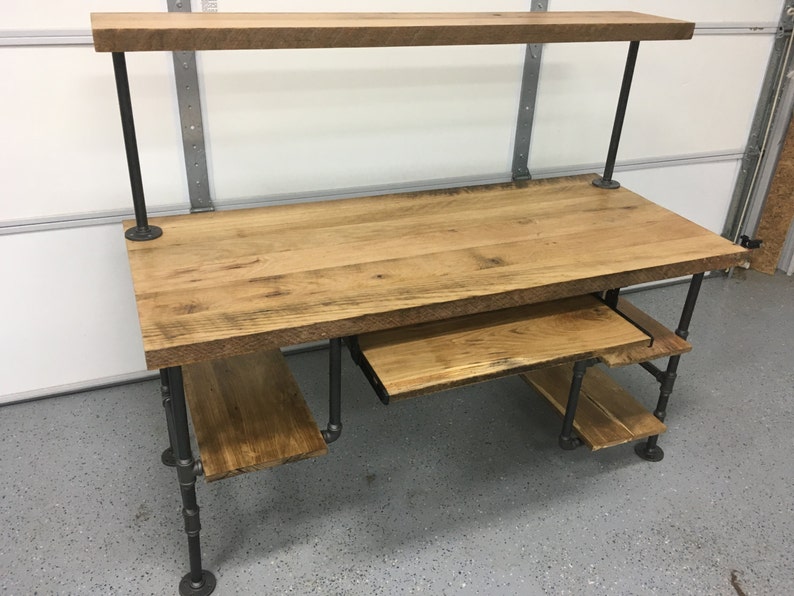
219 288
430 290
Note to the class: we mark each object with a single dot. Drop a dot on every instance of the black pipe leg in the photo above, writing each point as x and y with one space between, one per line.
167 457
334 429
650 450
567 441
198 582
606 180
142 230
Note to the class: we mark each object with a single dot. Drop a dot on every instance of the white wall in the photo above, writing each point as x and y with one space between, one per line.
309 121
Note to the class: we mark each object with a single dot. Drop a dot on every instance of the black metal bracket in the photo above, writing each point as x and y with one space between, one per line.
366 368
167 457
747 242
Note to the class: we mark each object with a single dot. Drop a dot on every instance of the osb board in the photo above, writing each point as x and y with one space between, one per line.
778 214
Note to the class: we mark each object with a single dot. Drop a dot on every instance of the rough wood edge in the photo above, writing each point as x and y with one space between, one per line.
130 32
224 348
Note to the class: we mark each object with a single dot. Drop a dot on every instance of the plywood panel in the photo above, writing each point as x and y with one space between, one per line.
778 213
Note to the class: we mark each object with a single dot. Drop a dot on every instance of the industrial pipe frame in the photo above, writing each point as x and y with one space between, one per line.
200 582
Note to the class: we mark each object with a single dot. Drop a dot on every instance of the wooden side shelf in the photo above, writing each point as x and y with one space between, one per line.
606 416
136 32
249 414
410 361
665 342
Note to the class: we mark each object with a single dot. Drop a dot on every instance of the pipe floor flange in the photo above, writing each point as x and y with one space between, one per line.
168 458
207 585
606 184
653 454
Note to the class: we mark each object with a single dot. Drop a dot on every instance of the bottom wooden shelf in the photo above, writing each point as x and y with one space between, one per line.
606 416
249 414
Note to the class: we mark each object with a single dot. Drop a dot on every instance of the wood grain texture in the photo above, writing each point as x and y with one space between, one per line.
249 414
778 214
665 342
606 414
225 283
136 32
420 359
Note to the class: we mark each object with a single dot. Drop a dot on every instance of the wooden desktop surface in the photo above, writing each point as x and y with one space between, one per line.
233 282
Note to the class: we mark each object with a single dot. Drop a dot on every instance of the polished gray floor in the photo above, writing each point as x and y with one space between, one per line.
464 492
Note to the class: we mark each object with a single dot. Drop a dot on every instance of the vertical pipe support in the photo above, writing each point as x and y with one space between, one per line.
197 582
142 230
334 429
611 298
606 180
566 440
650 450
168 458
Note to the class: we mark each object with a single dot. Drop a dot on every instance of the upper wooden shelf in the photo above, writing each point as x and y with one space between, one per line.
141 32
232 282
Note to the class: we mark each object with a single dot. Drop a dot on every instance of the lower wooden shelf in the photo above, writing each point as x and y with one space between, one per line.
249 414
665 342
421 359
606 415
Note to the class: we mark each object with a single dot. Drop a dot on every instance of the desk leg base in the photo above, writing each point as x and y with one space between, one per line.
647 453
168 458
569 443
207 585
606 184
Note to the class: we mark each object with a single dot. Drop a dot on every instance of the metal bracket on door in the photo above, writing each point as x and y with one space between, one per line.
188 97
526 103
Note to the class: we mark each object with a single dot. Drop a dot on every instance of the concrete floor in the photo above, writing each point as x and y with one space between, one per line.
461 492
